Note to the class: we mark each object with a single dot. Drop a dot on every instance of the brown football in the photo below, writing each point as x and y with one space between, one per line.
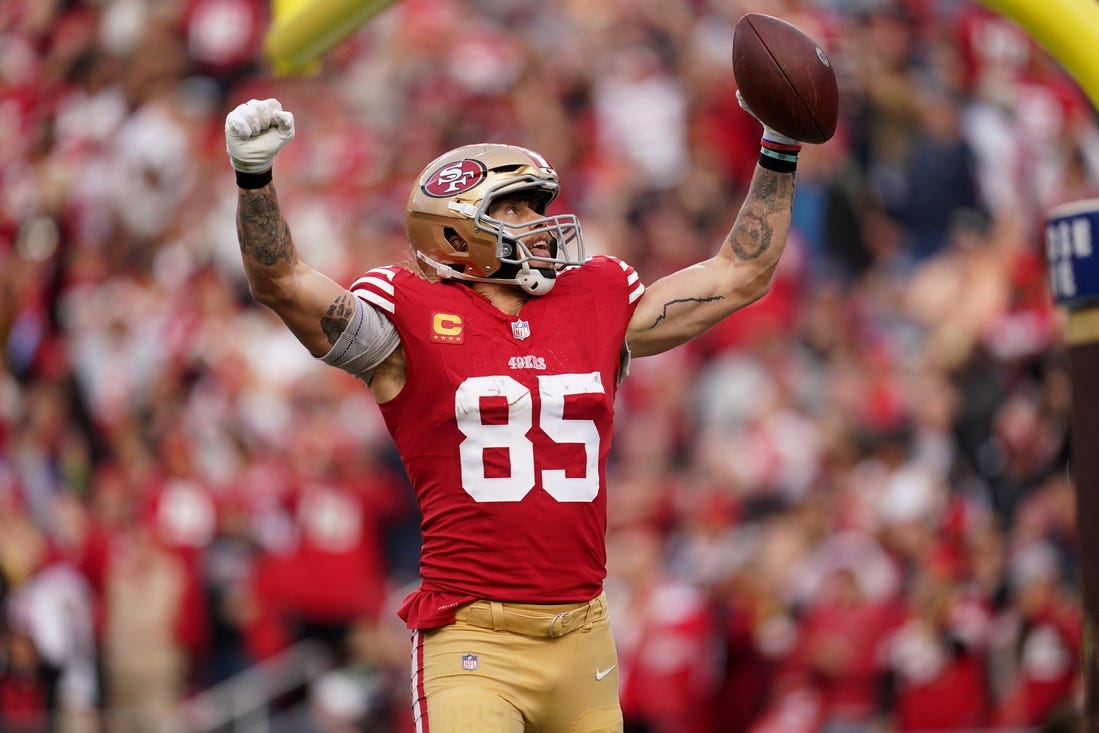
785 78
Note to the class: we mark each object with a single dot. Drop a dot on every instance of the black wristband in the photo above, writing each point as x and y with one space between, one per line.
778 165
253 181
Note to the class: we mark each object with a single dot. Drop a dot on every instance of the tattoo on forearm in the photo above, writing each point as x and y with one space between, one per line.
664 311
336 319
261 230
753 234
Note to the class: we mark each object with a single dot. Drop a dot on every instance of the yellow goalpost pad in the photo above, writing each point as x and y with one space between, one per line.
1067 29
302 31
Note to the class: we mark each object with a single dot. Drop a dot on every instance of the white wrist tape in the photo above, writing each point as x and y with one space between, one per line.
777 137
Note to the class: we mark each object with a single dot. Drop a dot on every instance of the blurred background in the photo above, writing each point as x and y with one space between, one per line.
845 509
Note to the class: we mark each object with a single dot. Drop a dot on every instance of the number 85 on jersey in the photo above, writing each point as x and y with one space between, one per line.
513 434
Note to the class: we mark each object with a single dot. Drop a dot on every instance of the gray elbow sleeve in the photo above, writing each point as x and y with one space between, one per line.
368 339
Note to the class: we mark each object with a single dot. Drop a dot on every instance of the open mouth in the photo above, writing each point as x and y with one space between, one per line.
542 248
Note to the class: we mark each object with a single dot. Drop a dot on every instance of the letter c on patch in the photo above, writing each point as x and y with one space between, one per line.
447 328
448 325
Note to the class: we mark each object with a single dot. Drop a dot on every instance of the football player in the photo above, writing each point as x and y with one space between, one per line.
495 355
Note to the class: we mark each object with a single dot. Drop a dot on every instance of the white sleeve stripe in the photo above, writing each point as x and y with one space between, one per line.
383 285
387 272
377 300
632 279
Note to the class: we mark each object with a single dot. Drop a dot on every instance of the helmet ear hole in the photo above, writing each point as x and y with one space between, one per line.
455 240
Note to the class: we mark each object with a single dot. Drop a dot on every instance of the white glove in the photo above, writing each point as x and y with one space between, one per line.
768 133
255 132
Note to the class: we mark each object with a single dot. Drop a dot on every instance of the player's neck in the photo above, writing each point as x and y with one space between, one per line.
506 298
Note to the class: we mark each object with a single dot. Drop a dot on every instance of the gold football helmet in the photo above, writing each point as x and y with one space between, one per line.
452 235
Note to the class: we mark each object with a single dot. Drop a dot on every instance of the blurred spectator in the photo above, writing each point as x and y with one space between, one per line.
1038 640
329 576
668 668
145 660
940 175
936 657
838 652
26 687
759 632
51 618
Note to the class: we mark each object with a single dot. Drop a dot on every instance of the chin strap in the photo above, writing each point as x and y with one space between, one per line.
533 280
443 271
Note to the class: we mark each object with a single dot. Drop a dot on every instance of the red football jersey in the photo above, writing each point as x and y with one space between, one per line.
504 426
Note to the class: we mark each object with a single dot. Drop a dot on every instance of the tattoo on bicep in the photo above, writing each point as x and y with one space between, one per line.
338 316
664 311
752 235
263 234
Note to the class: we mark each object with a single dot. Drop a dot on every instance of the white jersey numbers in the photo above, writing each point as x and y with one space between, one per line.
509 434
504 437
552 389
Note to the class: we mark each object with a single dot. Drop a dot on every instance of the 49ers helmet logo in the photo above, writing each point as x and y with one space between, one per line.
454 178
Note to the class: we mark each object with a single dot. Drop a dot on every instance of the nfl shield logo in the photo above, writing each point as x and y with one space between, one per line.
520 329
469 661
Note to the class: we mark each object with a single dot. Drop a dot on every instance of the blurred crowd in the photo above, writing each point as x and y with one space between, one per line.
846 509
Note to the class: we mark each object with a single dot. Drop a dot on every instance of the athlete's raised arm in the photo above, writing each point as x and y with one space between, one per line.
331 322
313 306
682 305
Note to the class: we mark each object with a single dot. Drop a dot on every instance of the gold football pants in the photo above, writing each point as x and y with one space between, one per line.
515 668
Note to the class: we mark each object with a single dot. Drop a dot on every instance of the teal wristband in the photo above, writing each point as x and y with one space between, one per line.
773 160
780 156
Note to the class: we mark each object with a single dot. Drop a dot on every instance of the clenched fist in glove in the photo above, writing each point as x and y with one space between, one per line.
254 134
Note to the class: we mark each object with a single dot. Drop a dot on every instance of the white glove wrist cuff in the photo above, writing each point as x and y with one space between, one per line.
242 166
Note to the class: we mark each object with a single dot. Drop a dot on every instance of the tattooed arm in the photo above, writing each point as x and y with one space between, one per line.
682 305
332 323
313 306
